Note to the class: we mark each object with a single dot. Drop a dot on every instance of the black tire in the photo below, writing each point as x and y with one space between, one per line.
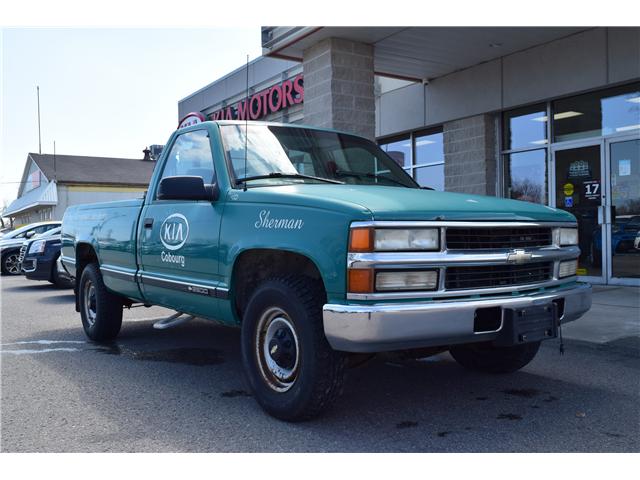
58 280
100 310
10 264
489 359
311 373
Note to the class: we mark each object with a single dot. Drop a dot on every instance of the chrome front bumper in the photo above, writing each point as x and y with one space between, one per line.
397 326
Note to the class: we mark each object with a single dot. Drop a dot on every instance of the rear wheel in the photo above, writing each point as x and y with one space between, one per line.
11 263
291 368
490 359
101 310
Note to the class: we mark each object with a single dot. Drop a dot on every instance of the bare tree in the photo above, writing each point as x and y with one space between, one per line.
527 190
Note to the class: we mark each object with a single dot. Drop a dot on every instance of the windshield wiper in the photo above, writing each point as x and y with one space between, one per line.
369 175
285 175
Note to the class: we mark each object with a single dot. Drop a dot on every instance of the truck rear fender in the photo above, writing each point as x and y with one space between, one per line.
85 254
255 265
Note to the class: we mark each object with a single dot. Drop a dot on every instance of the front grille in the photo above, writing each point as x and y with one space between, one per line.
497 238
23 252
464 278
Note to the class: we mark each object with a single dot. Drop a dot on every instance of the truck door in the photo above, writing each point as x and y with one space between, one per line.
178 239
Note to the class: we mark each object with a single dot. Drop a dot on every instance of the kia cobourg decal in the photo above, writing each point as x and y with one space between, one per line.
174 233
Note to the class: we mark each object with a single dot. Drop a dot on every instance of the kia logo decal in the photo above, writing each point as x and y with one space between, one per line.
174 231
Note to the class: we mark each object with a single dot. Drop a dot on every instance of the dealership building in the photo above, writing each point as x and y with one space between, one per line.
51 183
541 114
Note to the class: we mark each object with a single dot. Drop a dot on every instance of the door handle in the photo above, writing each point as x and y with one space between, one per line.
148 222
601 219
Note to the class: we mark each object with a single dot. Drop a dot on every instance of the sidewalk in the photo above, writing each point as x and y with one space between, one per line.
614 317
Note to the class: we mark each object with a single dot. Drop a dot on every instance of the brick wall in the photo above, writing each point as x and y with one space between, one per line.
338 83
470 155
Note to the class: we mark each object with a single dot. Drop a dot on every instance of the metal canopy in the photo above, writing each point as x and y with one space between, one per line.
417 53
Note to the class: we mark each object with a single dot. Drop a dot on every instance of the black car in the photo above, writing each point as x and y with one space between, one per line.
39 259
11 242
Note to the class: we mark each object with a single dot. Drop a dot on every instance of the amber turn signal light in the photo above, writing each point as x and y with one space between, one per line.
361 240
360 280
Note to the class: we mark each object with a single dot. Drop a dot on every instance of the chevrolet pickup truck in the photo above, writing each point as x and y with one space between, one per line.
322 249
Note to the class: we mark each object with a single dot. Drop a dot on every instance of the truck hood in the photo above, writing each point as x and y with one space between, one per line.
398 203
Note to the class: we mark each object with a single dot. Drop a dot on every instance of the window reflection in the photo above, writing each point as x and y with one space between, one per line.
431 176
614 111
429 171
429 149
399 150
526 176
525 127
427 168
191 155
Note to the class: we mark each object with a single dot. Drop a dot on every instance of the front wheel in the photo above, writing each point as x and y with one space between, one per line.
100 310
293 372
490 359
11 263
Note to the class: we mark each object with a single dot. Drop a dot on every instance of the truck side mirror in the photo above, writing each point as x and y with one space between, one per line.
187 188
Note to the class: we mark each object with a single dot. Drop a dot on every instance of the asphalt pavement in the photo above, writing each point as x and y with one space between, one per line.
183 390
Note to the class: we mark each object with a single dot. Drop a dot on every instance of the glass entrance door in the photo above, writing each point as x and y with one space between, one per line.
623 219
577 187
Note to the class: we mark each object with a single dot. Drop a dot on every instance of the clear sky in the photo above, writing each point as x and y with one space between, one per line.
104 92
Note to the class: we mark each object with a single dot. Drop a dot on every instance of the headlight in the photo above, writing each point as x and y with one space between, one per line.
568 236
37 246
407 280
394 239
568 269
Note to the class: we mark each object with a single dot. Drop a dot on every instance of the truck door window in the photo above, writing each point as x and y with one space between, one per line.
191 155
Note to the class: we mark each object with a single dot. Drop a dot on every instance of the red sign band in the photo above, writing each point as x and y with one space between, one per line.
261 104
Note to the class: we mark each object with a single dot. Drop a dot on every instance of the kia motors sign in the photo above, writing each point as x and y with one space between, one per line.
261 104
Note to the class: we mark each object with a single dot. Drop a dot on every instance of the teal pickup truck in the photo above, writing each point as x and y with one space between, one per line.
323 250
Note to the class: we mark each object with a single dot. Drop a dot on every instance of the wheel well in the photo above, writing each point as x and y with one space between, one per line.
254 266
85 254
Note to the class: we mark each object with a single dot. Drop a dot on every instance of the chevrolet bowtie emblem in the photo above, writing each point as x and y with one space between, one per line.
519 256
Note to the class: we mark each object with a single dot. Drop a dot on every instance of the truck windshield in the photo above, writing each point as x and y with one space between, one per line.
278 154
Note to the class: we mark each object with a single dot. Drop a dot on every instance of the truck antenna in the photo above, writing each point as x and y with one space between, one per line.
39 138
246 124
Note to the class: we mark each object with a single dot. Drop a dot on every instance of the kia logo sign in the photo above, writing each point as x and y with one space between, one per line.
174 231
192 118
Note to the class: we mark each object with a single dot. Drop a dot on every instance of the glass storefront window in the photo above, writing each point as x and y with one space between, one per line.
525 127
429 164
625 199
399 150
431 176
427 168
526 176
609 112
429 148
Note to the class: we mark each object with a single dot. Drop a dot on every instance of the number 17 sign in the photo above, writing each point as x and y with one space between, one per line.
592 189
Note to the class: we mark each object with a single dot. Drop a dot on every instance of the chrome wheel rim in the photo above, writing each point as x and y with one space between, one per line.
12 264
277 349
90 302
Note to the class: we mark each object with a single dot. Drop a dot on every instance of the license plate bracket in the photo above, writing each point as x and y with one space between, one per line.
529 324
